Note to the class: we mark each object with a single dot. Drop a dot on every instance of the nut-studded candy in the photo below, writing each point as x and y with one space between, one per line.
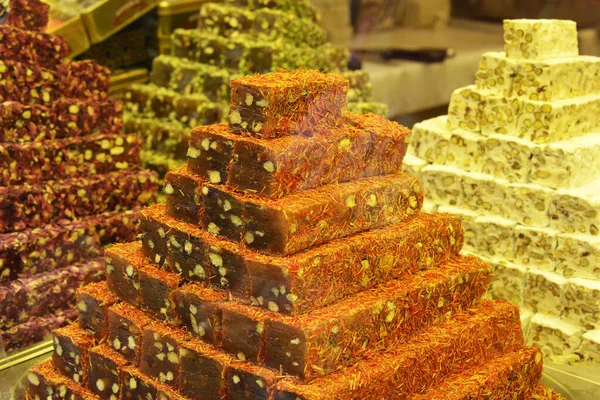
430 140
495 237
36 329
582 303
509 281
160 352
540 39
156 288
71 346
94 299
507 158
32 47
244 331
578 256
558 340
465 150
45 381
529 204
123 263
248 381
199 310
103 377
576 210
589 351
466 109
443 184
126 330
534 247
544 292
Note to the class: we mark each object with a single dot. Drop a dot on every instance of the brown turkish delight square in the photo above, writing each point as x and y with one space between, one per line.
93 304
156 287
46 382
135 385
123 262
248 381
71 347
261 105
211 152
199 309
225 257
126 330
103 377
223 213
160 352
155 243
202 374
184 201
243 331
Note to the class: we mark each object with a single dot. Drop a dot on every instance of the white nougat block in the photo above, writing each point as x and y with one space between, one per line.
552 121
526 316
540 39
528 204
507 157
464 111
577 210
567 164
544 292
468 218
589 350
578 256
582 303
509 281
443 185
429 207
413 165
495 74
535 247
485 194
465 150
495 237
430 140
557 339
500 115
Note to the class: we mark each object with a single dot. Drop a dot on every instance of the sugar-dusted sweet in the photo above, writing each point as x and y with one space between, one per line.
286 103
103 376
126 331
423 362
160 352
199 309
156 288
94 299
248 381
244 331
301 346
71 352
540 39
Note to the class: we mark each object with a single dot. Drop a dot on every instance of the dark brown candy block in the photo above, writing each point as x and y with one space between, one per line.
93 304
156 287
261 105
199 309
223 213
46 382
30 15
135 385
32 47
123 262
211 152
369 322
71 347
202 374
184 201
243 331
247 381
103 378
160 352
36 329
155 243
126 330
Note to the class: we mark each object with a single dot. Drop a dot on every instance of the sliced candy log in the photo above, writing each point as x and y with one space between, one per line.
160 352
71 352
211 152
126 331
155 243
135 385
94 302
224 213
243 331
248 381
103 377
183 196
45 381
156 288
123 262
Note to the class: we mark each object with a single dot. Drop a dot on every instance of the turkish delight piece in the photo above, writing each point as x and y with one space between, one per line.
500 115
465 150
484 193
493 379
94 301
496 74
123 262
540 39
558 340
184 201
576 210
36 329
155 243
45 381
103 375
544 292
247 381
488 330
507 158
136 385
322 275
225 20
578 256
73 198
466 109
160 352
413 165
509 281
496 237
471 231
202 371
32 47
271 24
211 152
71 347
80 156
261 105
156 287
223 212
534 247
126 330
556 165
582 303
443 185
301 346
243 331
529 204
199 310
589 351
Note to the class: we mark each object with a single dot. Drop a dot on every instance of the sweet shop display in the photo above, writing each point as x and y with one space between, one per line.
517 159
189 85
70 184
332 288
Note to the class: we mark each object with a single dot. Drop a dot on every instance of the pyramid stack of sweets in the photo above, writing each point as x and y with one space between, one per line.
315 276
190 87
70 182
518 158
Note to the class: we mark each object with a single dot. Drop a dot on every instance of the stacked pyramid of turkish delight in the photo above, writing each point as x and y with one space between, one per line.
69 181
191 86
291 261
518 158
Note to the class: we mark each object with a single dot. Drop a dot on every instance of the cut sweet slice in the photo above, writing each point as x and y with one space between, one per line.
126 331
103 377
44 381
93 304
71 352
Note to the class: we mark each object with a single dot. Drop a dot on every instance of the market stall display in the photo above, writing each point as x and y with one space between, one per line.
190 86
70 182
195 313
517 158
